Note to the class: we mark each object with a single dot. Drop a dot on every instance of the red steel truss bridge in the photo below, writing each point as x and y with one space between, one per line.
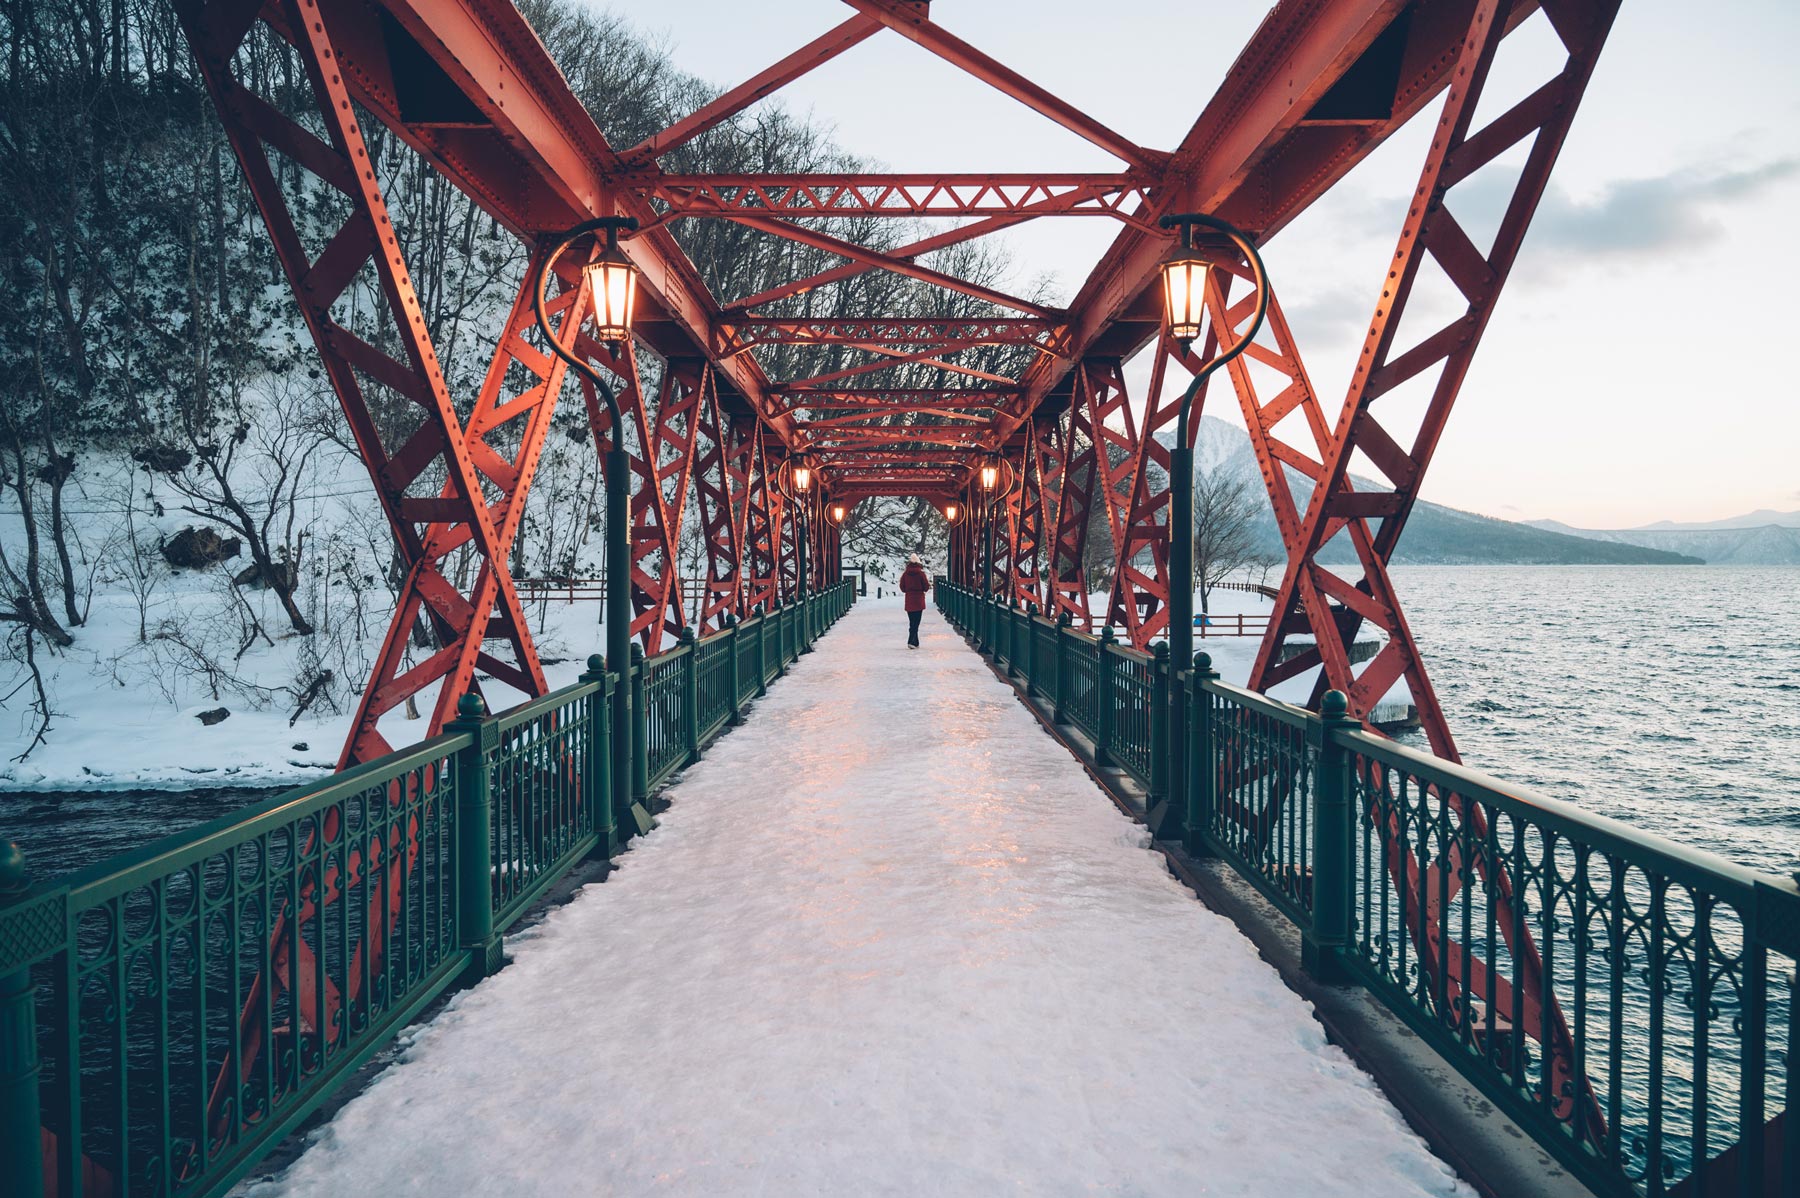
718 391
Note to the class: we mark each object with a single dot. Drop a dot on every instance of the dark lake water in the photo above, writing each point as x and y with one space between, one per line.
1664 696
65 830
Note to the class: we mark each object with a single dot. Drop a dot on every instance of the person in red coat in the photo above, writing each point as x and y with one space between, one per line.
913 584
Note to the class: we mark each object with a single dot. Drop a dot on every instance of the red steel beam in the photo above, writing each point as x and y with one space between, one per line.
889 331
912 22
899 195
927 357
885 261
1253 156
837 274
530 154
860 419
967 395
760 86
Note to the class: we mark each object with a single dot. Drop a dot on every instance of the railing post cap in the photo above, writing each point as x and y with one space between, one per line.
1161 651
1063 619
15 877
470 707
1203 662
596 664
1107 636
1031 609
687 636
1336 705
637 653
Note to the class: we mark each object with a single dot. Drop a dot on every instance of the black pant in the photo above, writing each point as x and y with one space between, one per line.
912 626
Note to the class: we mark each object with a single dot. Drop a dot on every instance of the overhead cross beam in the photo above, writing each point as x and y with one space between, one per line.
911 21
758 87
890 262
938 332
838 274
1119 196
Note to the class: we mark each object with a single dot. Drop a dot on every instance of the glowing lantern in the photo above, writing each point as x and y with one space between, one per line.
612 280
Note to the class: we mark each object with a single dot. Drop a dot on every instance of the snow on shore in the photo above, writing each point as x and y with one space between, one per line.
889 939
117 729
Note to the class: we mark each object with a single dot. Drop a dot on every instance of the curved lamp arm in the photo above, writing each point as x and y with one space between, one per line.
611 224
1259 277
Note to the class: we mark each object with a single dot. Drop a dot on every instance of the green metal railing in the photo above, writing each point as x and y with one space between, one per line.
1639 1020
169 1015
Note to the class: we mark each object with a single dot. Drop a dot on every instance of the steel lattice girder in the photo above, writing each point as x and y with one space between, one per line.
1100 389
1076 476
721 484
1268 145
1047 455
663 465
882 331
1027 553
909 195
426 528
760 523
1140 590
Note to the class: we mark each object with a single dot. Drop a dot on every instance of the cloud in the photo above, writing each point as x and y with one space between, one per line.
1328 314
1636 216
1648 216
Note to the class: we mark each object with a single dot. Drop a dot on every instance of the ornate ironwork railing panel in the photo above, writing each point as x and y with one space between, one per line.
1081 660
1131 686
1261 813
1673 968
774 650
665 713
542 820
746 642
1043 655
210 989
712 666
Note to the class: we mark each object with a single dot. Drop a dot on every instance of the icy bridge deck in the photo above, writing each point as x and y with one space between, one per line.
890 938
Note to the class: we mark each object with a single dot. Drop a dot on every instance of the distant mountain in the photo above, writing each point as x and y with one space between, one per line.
1761 538
1762 517
1435 535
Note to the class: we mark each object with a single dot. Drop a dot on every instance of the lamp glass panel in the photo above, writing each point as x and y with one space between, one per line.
613 283
1184 296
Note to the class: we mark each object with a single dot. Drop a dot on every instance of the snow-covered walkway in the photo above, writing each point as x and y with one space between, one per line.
889 939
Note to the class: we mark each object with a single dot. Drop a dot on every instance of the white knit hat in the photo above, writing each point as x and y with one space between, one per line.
912 559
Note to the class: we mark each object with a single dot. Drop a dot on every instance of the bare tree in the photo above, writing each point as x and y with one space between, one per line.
250 481
22 647
1224 527
878 534
140 566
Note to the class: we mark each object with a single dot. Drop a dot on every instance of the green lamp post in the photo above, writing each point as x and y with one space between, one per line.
612 280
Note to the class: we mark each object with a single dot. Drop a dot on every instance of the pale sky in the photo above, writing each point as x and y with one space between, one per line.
1668 228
